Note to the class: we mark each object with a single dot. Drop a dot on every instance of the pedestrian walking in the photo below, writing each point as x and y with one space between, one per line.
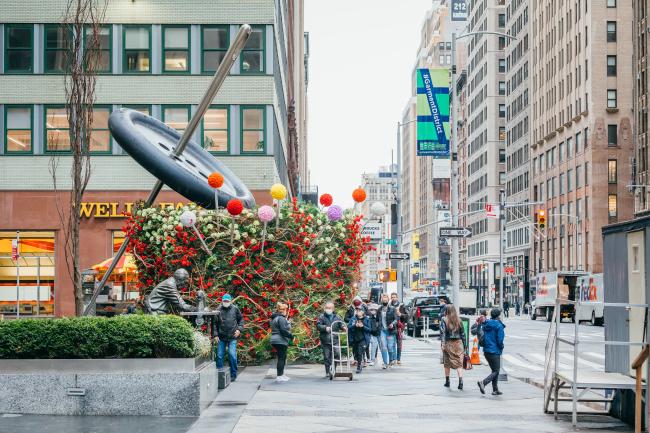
359 335
401 324
326 321
281 336
506 308
453 344
478 324
375 330
227 327
493 336
388 329
517 308
527 308
356 304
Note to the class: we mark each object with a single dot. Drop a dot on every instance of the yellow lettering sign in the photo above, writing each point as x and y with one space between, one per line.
101 210
116 209
86 209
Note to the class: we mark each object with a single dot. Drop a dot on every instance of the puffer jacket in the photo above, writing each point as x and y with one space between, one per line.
227 322
494 336
280 330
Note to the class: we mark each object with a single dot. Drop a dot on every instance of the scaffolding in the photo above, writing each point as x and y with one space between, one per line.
584 385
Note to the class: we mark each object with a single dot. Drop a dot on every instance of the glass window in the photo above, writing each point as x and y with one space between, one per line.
586 134
448 59
252 58
612 205
578 208
569 180
578 140
253 126
18 129
441 59
578 176
101 56
19 50
502 66
586 173
215 129
448 45
215 42
176 117
611 31
611 66
502 20
57 135
57 43
612 171
502 156
144 109
502 87
137 49
100 136
176 49
502 133
560 154
612 135
611 98
611 3
561 183
569 147
502 110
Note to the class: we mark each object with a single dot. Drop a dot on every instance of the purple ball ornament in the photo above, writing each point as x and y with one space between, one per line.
334 213
266 214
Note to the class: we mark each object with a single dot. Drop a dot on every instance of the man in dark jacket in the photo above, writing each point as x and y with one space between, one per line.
227 327
493 336
400 310
327 322
359 335
388 329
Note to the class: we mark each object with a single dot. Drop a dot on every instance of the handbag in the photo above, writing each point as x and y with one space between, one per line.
467 362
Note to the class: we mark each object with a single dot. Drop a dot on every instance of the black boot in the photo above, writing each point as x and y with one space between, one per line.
460 383
447 382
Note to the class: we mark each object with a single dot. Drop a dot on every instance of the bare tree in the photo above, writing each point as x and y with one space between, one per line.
81 27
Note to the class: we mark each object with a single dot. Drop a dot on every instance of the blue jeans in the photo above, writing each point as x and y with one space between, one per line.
232 356
374 345
388 347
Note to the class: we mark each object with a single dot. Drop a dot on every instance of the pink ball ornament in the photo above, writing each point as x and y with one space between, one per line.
266 214
335 213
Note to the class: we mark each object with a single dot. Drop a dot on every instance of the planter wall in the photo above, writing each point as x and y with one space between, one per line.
172 387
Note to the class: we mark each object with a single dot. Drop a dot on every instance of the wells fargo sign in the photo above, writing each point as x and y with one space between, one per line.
114 209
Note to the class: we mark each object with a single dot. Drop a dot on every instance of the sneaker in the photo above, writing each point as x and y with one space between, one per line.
399 362
496 392
481 386
285 378
384 366
371 363
279 379
358 371
460 385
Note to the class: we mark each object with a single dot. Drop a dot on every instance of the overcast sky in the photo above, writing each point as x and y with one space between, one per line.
362 54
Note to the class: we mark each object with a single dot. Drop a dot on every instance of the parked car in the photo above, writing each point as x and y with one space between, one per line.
422 307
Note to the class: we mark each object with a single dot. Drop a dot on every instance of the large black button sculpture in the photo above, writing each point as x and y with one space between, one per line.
152 143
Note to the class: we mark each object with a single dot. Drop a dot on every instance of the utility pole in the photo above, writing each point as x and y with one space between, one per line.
502 238
398 203
455 253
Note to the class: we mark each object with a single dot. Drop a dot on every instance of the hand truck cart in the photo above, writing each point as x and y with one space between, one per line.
340 361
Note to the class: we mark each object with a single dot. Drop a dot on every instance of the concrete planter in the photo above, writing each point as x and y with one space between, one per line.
173 387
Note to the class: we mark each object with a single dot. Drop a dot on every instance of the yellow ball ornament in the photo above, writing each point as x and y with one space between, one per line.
278 191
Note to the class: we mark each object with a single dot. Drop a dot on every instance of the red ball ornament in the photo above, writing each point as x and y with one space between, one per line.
326 200
215 180
359 195
234 207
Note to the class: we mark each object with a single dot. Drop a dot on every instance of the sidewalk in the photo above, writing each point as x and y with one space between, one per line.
407 398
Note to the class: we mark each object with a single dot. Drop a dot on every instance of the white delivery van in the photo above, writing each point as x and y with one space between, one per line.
591 291
547 287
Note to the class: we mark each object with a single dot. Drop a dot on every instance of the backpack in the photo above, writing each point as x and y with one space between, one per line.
474 329
481 335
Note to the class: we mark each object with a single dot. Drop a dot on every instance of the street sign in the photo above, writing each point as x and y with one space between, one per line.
398 256
373 230
491 211
390 241
510 270
455 232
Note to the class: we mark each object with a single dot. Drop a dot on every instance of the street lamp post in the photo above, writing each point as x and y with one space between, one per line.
455 253
398 203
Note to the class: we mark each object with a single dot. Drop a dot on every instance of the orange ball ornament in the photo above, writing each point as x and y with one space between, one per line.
359 195
215 180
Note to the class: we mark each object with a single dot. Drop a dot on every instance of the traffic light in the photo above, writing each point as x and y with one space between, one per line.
541 219
387 275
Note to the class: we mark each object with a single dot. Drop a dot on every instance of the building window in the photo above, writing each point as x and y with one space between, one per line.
176 116
144 109
102 55
502 87
502 66
560 152
611 98
612 135
100 136
448 59
137 49
612 205
502 20
586 174
611 31
57 43
612 169
502 133
57 135
502 110
441 59
611 3
18 129
502 156
214 42
448 46
578 142
215 129
253 129
252 58
569 180
611 66
19 48
176 49
578 176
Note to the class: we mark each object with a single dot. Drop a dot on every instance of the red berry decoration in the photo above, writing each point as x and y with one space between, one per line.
326 200
359 195
234 207
215 180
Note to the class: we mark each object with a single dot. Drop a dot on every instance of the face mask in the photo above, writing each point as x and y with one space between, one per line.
226 304
394 302
357 303
384 303
328 311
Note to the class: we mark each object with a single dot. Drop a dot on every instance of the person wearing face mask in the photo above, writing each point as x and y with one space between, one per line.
357 304
373 321
400 310
280 337
359 335
227 327
388 328
326 321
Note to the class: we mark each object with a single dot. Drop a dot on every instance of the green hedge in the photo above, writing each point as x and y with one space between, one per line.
129 336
